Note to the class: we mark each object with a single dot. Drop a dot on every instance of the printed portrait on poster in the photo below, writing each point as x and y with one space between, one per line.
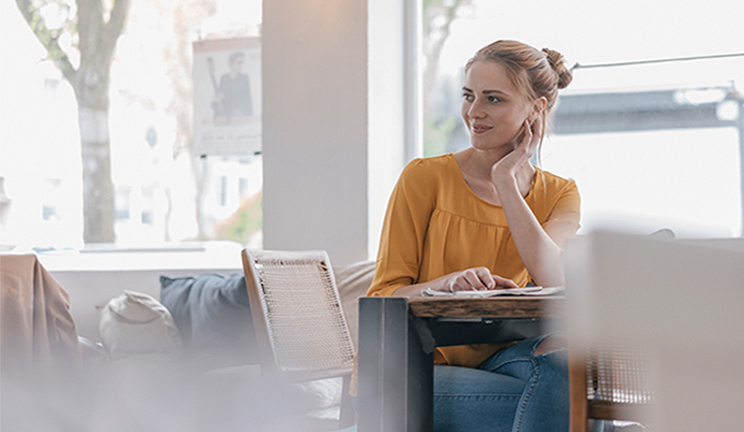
227 96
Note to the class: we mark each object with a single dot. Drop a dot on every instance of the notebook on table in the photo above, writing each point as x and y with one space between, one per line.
526 291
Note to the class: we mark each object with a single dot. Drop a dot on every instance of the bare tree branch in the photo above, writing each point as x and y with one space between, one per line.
48 39
115 25
90 23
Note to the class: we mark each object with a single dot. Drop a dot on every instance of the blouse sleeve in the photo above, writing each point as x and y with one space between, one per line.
404 228
565 216
568 205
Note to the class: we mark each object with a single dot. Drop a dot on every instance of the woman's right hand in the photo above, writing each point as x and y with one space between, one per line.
472 279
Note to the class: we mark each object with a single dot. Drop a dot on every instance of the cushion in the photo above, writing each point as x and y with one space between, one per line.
352 282
134 324
213 315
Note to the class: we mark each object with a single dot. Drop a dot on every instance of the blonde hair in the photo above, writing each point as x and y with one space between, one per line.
535 73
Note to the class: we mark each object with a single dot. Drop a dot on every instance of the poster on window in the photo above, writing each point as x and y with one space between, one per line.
227 96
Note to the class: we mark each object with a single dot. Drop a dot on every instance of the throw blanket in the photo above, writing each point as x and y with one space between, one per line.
37 332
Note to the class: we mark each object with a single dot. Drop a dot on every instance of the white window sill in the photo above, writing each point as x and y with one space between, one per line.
220 255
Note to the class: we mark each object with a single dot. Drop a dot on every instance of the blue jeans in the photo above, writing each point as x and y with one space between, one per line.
512 391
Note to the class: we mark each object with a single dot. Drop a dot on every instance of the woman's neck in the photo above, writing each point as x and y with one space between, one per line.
476 168
478 163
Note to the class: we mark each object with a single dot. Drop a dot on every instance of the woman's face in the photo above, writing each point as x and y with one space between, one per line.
493 108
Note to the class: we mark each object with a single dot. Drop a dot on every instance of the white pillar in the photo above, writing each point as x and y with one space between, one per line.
333 122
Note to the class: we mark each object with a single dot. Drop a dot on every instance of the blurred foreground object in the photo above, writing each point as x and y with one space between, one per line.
675 309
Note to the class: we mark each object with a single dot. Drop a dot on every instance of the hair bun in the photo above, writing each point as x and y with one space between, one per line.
555 59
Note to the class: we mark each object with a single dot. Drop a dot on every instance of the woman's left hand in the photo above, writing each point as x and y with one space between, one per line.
506 168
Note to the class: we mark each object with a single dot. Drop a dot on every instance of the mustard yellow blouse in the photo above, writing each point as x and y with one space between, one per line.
435 225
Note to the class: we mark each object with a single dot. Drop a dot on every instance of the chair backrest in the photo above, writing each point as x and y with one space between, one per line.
301 330
619 374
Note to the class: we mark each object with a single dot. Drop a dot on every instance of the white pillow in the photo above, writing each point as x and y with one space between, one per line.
135 323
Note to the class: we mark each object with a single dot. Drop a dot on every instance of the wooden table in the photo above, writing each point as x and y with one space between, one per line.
397 337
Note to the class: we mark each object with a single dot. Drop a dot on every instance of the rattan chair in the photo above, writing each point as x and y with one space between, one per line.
301 330
608 383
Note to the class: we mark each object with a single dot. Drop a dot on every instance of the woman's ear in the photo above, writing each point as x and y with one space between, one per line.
539 107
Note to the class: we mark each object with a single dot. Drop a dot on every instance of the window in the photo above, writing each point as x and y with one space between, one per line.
683 173
51 197
159 188
122 203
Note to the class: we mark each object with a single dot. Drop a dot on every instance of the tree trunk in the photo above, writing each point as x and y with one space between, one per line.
91 85
98 189
187 14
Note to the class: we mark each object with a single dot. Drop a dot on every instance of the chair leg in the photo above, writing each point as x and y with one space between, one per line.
577 392
347 416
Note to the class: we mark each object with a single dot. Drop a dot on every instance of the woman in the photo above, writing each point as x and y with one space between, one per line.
485 218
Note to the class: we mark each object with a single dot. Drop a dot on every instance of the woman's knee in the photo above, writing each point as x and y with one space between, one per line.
551 343
464 381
